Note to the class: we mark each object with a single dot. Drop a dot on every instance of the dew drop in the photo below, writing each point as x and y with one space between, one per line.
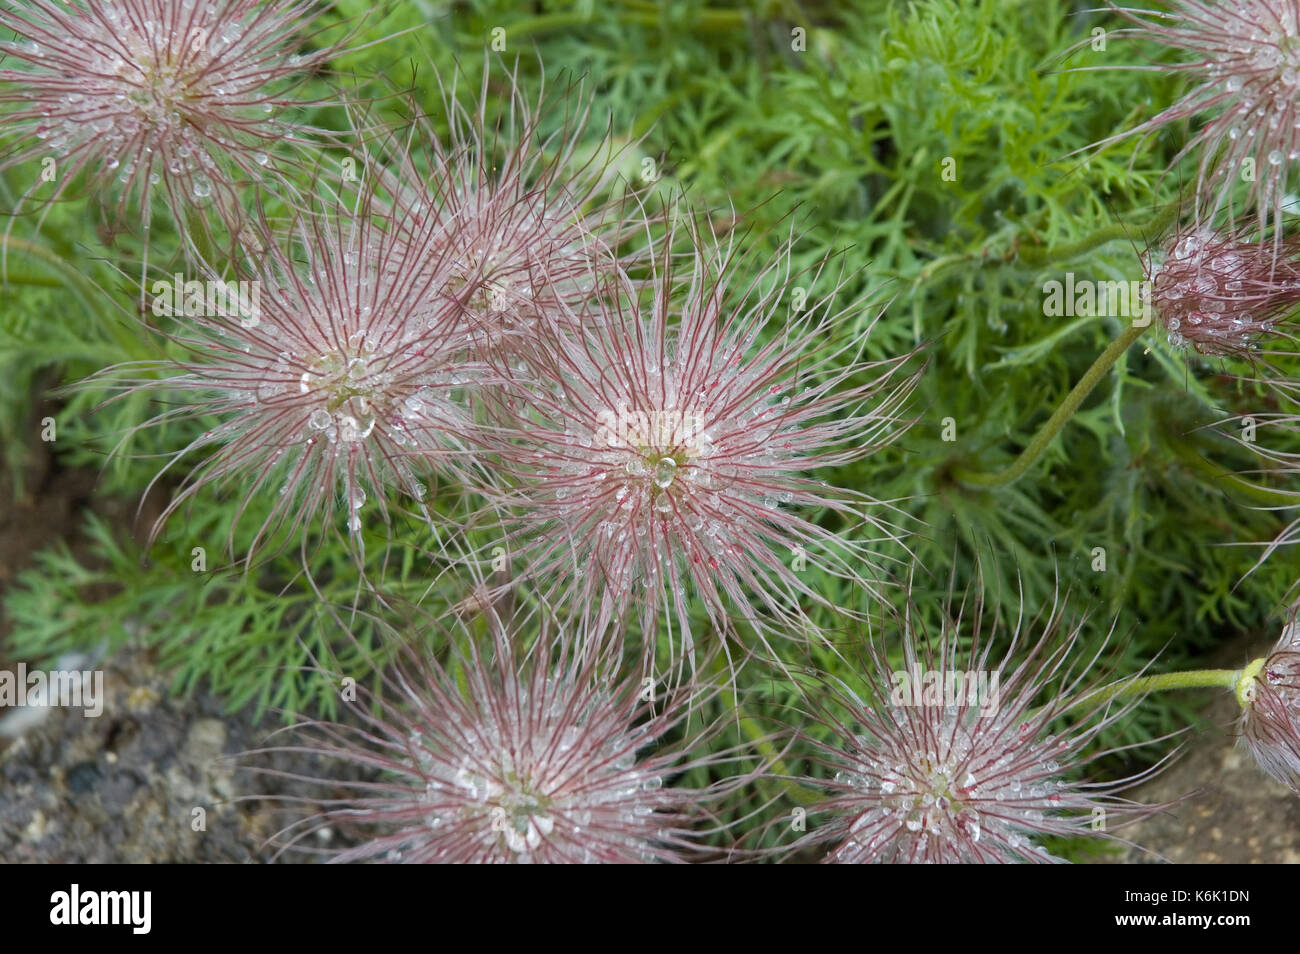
665 470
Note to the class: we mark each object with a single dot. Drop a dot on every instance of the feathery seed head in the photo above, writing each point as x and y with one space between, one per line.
1245 60
1270 721
527 220
952 759
551 755
348 382
179 94
1221 293
670 445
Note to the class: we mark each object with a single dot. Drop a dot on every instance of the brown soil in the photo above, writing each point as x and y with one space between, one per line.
151 779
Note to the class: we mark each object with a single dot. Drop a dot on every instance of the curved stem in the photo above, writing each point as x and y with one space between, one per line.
1238 680
35 281
1035 255
1246 681
86 292
1048 431
92 298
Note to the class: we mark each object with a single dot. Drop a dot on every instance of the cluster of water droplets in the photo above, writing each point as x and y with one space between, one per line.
642 457
352 390
1259 66
360 394
542 777
942 789
1270 719
152 100
683 454
1218 295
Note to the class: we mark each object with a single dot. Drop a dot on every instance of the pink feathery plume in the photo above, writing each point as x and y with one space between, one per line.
334 372
558 753
186 99
672 448
960 756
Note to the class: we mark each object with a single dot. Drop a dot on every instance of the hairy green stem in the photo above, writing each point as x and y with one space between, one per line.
1037 255
71 278
86 292
1238 680
35 281
1045 435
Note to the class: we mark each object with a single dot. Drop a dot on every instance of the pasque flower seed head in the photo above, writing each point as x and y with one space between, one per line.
182 98
956 757
553 754
1270 721
1222 293
1244 64
669 449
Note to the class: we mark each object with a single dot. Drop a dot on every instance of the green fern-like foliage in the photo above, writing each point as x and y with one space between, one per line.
940 147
